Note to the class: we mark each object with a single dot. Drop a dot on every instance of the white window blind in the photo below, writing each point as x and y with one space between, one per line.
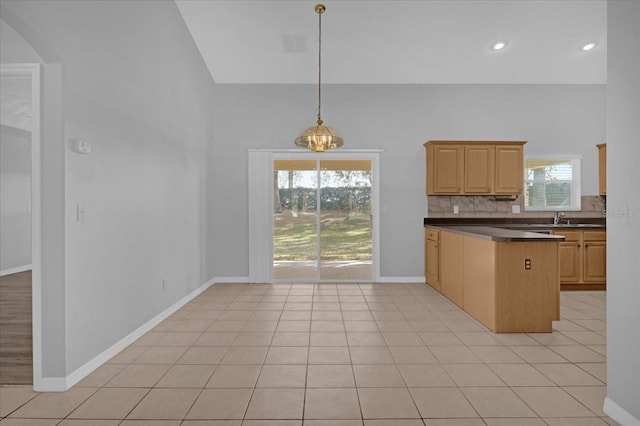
552 183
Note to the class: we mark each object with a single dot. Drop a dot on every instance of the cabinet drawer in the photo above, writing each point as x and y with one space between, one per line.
432 234
595 236
569 235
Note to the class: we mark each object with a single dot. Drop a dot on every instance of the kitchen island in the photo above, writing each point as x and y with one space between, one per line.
506 279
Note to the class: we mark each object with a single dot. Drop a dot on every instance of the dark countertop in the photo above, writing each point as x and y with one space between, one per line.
499 234
520 223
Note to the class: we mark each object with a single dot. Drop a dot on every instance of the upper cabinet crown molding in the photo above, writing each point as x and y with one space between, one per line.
474 167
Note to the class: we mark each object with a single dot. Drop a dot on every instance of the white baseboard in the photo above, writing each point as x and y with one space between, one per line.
399 280
51 384
61 384
619 414
222 280
402 280
15 270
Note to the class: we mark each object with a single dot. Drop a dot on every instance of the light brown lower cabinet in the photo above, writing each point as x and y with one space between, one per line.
583 259
507 286
432 257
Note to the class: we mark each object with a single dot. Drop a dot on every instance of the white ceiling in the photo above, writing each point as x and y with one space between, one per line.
398 41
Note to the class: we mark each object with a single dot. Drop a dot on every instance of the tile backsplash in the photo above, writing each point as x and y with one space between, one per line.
593 206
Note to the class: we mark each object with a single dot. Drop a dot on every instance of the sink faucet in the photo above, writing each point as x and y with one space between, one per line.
557 216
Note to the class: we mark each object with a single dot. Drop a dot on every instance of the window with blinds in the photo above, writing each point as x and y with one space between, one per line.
552 183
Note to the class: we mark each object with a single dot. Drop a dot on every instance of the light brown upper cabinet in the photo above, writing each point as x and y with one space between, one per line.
474 167
602 167
478 169
445 168
509 169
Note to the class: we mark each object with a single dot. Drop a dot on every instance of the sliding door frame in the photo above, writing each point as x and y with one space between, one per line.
261 204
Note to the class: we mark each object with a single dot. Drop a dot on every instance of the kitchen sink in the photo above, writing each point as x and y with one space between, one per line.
548 227
559 225
541 231
574 225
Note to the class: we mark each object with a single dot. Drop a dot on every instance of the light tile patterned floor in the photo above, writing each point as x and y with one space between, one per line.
337 354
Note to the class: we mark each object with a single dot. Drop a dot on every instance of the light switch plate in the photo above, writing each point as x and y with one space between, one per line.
80 214
456 210
515 208
81 146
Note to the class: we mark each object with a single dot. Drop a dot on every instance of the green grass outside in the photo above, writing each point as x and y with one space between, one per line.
343 237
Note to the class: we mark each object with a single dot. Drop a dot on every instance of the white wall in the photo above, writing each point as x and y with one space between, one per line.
554 119
15 48
135 86
15 198
623 206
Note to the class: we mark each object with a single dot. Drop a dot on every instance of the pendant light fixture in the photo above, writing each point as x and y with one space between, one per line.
319 138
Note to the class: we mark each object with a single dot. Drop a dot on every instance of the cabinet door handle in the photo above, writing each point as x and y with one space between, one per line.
586 245
578 245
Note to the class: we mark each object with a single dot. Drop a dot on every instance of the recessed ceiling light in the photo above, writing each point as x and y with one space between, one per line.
499 45
589 46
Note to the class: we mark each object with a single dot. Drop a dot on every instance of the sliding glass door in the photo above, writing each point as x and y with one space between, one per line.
345 220
322 220
295 220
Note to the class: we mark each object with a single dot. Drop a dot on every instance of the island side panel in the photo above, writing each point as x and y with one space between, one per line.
451 266
479 293
527 297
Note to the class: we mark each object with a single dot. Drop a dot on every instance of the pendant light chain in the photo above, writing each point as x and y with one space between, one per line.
319 63
319 138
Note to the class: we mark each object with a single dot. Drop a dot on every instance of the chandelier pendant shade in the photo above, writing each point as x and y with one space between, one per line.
319 138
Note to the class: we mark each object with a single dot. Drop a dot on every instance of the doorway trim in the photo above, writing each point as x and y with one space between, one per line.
34 71
261 204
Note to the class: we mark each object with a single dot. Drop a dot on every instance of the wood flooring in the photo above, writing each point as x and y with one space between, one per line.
16 355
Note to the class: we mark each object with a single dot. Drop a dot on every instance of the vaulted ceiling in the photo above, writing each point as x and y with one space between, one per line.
399 42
